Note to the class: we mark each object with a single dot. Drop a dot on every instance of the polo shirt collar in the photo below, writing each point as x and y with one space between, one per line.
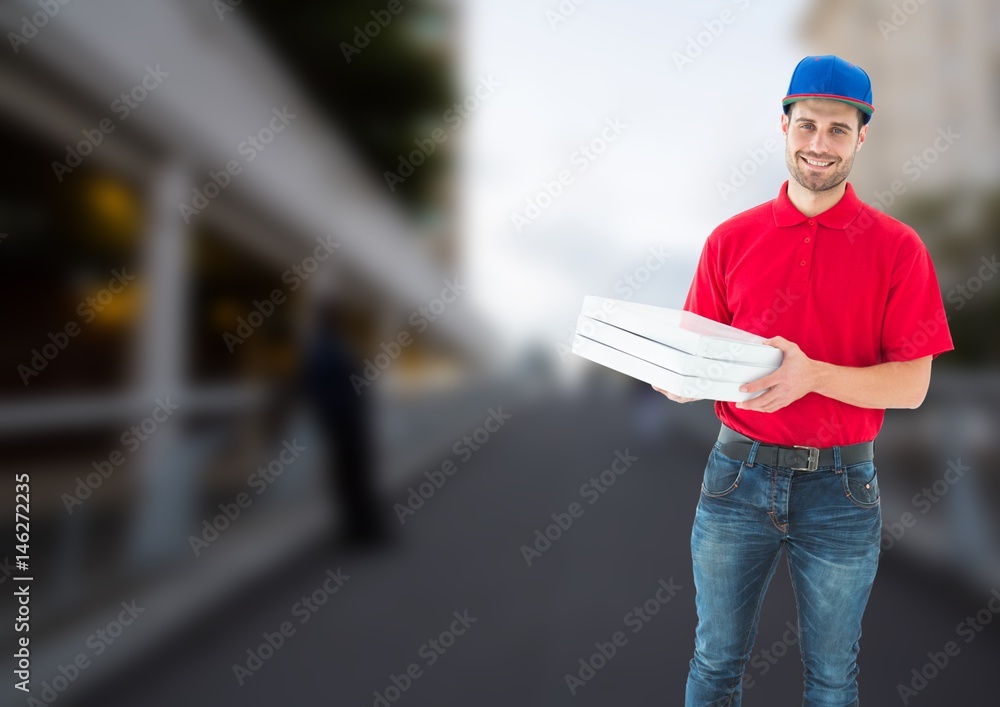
839 216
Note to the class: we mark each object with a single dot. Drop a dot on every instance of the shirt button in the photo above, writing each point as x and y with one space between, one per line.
807 240
802 262
811 222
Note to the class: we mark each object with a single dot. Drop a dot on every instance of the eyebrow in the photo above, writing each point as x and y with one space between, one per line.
803 119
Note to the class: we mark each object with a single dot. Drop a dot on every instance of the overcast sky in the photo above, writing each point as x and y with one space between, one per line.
657 183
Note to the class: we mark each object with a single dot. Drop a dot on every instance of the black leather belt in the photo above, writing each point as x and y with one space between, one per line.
738 446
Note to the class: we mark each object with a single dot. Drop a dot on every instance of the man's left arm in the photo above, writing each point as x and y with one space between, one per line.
894 384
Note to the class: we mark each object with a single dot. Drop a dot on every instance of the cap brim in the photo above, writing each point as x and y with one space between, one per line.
865 108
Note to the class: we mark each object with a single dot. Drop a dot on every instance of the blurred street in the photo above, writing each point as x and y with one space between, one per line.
533 624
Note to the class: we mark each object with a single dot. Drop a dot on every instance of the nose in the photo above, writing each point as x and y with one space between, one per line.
819 144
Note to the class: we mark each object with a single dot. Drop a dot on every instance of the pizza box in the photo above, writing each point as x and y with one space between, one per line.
676 383
685 331
668 357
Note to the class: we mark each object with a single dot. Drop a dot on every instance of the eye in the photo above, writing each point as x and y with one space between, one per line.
840 131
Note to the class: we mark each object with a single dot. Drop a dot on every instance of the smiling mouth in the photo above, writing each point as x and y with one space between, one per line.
816 163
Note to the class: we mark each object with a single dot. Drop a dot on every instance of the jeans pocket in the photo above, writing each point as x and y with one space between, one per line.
861 484
722 474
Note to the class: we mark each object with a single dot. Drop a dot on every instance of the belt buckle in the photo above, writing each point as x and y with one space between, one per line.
812 462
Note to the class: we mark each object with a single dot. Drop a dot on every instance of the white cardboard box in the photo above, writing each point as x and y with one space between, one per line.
668 357
676 383
686 331
681 352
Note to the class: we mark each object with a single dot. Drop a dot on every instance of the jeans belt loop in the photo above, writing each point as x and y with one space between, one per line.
836 458
753 452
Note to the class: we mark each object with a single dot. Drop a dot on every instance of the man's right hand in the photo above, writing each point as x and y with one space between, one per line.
675 398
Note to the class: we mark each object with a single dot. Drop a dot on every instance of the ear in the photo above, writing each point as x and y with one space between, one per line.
862 136
784 123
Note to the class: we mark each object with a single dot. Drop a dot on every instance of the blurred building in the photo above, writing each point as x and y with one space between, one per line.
176 201
932 160
933 66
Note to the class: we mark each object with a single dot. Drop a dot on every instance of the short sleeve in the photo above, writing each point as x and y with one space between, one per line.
915 323
707 294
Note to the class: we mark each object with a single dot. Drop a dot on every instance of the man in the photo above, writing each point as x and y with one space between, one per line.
850 297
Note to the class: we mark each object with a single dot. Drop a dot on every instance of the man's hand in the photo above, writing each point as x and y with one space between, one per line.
796 377
675 398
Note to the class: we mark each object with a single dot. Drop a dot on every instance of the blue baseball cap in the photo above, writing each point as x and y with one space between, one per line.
832 78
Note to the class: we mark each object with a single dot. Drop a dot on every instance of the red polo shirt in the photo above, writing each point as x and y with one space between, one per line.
851 286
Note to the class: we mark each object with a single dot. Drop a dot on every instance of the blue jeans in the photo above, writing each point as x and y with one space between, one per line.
830 521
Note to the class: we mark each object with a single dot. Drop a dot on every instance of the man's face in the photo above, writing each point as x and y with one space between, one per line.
821 139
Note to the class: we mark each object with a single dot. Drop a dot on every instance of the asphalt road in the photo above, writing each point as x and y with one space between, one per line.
524 628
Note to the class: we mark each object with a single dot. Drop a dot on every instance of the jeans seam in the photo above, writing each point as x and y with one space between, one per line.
798 609
736 483
774 495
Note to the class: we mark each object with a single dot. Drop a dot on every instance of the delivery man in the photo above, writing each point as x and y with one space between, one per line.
850 297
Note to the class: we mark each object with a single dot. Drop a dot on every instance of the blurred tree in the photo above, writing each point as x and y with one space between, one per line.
959 230
384 95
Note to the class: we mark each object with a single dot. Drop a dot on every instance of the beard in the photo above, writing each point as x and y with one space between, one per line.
814 180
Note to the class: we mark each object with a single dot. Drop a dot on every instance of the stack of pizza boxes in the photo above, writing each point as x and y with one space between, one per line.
681 352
